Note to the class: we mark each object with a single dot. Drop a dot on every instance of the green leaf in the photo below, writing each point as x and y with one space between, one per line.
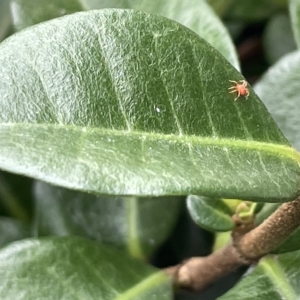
139 225
12 230
27 13
275 278
278 38
294 8
112 103
75 268
212 214
194 14
279 89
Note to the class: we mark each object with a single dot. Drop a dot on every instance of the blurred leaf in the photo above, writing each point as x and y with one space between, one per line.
235 27
280 91
139 225
275 278
75 268
220 7
211 214
266 211
252 10
93 116
5 18
294 8
12 230
194 14
278 38
27 13
281 3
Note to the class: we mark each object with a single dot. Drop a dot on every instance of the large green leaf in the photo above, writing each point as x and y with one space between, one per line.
194 14
279 89
74 268
139 225
294 8
275 278
111 102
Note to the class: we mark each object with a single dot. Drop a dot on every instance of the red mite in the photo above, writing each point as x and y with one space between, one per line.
240 89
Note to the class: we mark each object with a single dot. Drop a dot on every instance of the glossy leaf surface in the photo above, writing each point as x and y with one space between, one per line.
275 278
75 268
138 225
279 89
212 214
112 104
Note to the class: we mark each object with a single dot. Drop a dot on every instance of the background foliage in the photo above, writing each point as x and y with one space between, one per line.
112 118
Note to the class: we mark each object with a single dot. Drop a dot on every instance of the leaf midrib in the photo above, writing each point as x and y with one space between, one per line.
271 148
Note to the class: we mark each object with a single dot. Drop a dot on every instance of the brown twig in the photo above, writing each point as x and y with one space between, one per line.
247 248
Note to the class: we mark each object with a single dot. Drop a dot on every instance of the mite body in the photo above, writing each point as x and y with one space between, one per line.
239 88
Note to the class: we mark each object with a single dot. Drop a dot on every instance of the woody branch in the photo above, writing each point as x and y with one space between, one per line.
246 248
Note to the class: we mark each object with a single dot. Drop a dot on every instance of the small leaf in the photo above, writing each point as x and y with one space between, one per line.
12 230
139 225
278 38
275 278
112 104
211 214
75 268
279 89
294 8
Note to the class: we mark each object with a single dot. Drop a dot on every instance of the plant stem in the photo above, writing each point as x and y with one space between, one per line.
272 232
248 247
